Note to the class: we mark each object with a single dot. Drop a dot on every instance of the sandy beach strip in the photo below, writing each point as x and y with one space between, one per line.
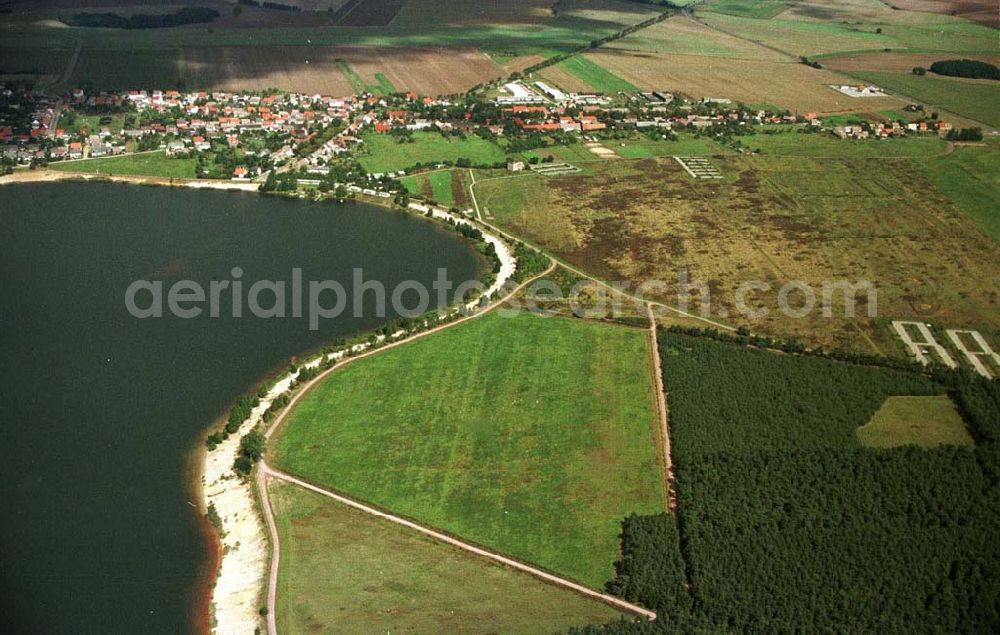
239 590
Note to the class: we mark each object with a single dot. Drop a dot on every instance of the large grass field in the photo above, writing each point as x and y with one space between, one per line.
977 100
924 421
532 436
384 153
154 163
347 571
773 219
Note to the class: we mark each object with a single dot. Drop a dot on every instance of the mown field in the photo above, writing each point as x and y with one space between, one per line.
528 435
775 218
384 153
347 571
143 164
787 523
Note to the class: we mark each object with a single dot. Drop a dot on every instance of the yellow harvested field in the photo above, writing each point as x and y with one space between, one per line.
317 69
786 84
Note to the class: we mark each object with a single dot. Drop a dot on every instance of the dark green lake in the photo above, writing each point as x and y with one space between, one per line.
99 410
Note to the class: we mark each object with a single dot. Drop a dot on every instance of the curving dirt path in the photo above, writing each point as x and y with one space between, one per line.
661 403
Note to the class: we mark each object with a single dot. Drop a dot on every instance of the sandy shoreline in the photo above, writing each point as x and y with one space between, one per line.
239 589
49 176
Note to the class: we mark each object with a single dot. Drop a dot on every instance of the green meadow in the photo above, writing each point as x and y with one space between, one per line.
154 163
385 153
532 436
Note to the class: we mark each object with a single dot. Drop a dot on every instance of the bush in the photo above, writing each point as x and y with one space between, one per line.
966 134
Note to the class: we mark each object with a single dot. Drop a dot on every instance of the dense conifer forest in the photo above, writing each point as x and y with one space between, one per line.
786 523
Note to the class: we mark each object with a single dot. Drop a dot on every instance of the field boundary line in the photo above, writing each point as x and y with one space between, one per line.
611 600
661 405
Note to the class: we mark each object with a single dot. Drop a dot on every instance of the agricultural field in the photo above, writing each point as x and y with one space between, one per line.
397 580
683 35
815 38
23 63
978 100
924 421
417 50
123 70
758 9
983 11
753 81
324 69
446 187
594 77
894 62
775 219
785 518
384 153
532 436
154 163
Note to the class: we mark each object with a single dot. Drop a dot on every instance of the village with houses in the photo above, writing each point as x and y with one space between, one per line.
248 136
